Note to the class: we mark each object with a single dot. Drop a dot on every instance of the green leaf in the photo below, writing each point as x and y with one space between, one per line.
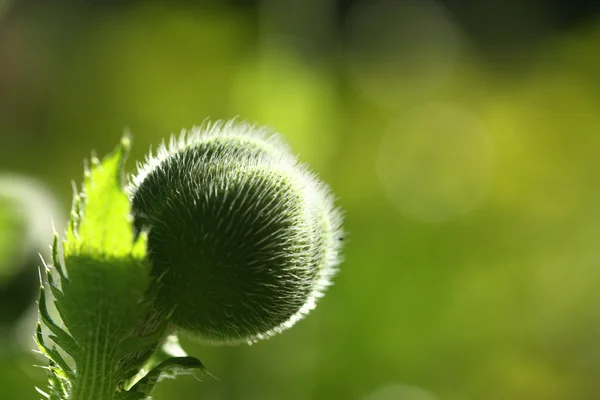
103 293
61 338
169 348
168 368
100 223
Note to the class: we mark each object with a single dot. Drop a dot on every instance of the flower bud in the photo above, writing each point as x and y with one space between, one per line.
242 238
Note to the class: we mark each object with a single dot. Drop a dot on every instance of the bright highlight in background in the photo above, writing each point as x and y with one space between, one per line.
400 391
436 162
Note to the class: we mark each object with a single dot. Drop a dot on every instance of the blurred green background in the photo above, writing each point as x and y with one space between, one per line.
461 138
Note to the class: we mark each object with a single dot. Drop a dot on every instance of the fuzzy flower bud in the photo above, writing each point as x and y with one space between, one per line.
242 238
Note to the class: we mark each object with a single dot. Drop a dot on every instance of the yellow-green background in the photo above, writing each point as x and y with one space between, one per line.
469 175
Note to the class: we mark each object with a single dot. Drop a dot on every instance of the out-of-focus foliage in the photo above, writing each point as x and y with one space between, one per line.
470 182
12 231
18 274
26 209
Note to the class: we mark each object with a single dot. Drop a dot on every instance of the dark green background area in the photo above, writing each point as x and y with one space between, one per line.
463 151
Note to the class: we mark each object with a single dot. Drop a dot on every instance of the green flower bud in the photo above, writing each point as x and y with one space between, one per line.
242 238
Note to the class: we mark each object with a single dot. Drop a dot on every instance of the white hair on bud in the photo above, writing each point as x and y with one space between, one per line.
204 133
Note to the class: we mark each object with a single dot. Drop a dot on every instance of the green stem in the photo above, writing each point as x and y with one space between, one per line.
96 378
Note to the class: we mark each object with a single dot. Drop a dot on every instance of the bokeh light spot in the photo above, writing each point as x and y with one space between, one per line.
436 162
36 205
399 391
